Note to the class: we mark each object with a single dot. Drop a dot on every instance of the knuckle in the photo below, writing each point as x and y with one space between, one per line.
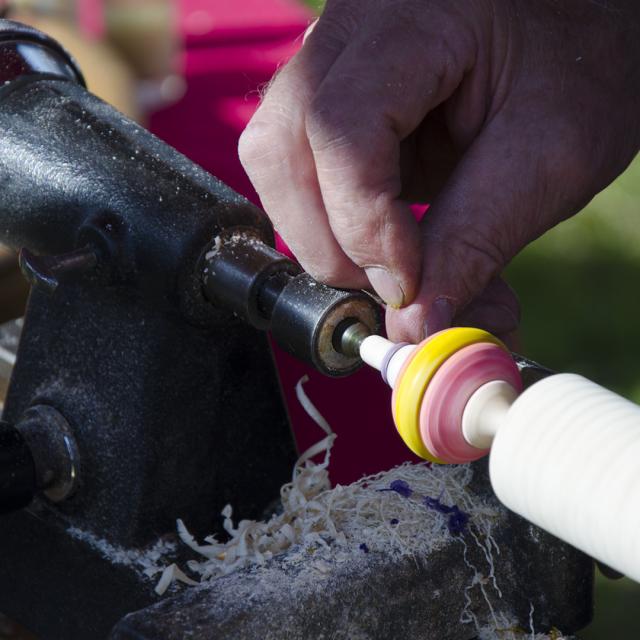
442 35
326 123
359 237
409 22
365 236
262 140
476 258
481 254
343 110
366 221
253 143
338 21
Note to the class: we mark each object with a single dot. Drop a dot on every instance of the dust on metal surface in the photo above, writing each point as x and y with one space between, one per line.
9 339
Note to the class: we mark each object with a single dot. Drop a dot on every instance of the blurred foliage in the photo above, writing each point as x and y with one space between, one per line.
615 615
579 288
316 5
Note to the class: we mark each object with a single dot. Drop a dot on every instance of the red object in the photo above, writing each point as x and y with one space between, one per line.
232 49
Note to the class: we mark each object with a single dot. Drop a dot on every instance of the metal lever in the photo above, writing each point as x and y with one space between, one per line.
45 271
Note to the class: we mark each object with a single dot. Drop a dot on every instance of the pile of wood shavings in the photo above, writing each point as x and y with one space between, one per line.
369 515
400 512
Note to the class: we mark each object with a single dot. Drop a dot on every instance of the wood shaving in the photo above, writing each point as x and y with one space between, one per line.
346 517
319 523
171 574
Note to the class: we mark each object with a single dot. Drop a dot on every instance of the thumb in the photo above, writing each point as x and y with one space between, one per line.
504 193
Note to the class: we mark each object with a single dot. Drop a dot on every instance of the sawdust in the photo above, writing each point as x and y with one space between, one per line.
404 512
241 239
325 539
149 561
385 512
368 514
215 249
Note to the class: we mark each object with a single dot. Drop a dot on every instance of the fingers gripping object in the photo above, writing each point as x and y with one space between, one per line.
458 396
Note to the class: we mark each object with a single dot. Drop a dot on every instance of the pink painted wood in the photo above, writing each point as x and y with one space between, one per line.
449 391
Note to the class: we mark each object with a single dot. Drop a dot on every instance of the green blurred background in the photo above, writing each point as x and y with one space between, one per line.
580 299
580 309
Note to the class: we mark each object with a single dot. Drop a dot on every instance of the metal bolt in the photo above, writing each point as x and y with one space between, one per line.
349 335
54 450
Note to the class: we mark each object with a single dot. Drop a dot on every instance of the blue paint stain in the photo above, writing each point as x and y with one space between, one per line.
457 520
363 547
401 487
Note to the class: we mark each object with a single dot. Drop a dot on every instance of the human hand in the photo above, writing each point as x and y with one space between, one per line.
507 115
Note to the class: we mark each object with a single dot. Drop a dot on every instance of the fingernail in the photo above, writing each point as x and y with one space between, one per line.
440 316
386 286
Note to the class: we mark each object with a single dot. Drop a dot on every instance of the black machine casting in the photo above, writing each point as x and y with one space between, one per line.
144 388
139 383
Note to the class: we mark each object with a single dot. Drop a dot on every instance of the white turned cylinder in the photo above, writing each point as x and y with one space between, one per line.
486 411
567 458
397 362
374 349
